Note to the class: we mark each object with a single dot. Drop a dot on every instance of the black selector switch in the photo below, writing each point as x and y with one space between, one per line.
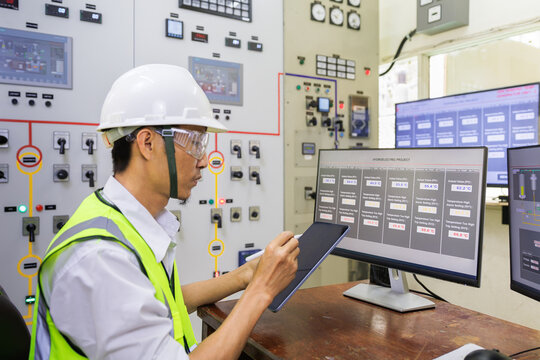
31 228
217 219
90 144
327 122
59 225
236 215
90 176
255 175
14 101
312 121
3 140
62 143
2 175
238 151
257 151
31 102
339 125
48 103
237 174
254 214
62 174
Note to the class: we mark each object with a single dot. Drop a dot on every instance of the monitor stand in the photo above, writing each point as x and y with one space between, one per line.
397 297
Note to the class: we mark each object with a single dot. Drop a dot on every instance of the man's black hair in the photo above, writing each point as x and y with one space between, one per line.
121 153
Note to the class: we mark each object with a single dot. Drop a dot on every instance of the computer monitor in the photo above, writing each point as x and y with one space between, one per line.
524 206
36 59
417 210
498 118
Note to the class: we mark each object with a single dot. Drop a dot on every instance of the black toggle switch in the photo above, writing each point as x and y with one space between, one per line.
238 151
59 225
62 143
217 218
236 215
237 174
257 151
90 176
2 175
313 195
90 144
311 104
312 121
62 174
327 122
257 176
3 140
254 214
31 228
339 125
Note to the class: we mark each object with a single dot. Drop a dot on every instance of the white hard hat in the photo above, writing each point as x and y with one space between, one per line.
155 95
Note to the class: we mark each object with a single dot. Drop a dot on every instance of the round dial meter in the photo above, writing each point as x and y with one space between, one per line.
354 3
353 20
318 12
336 16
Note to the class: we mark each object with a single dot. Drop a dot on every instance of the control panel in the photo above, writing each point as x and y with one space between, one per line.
55 69
331 90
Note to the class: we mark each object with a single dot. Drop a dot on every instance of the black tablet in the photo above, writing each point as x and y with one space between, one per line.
315 244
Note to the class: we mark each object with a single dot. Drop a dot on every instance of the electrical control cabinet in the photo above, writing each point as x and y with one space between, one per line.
330 88
238 205
50 108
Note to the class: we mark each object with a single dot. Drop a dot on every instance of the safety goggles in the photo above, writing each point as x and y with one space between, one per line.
191 141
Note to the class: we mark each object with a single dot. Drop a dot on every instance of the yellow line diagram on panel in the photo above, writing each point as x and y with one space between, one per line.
216 239
30 245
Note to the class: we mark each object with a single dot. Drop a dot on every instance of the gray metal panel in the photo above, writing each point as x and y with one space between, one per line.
436 16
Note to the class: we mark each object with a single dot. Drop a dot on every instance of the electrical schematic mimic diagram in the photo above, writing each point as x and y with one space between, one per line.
526 210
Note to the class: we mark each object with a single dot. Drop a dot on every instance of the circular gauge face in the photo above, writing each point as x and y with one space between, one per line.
336 16
318 12
354 3
353 20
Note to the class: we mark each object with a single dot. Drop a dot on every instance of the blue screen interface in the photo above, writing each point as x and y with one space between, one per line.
30 58
498 119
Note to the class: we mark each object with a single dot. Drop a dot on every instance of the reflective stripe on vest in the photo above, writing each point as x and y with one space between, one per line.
96 219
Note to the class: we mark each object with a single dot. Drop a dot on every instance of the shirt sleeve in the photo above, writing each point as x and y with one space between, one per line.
102 301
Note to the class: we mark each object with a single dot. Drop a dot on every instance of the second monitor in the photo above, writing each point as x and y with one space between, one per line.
418 210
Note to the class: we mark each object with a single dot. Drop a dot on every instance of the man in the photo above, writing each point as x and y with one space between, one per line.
108 286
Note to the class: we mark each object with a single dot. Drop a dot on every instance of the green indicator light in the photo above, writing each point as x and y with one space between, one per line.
22 208
317 90
30 299
211 201
298 87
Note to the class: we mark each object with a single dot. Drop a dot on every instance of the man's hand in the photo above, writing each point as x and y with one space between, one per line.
277 266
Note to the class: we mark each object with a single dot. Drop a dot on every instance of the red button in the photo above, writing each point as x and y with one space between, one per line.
39 207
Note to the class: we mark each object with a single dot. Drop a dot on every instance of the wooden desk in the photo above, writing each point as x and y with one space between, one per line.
321 323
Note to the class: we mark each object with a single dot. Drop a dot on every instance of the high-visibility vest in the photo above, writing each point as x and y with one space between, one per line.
96 219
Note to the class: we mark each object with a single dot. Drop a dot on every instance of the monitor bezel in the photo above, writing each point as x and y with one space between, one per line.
459 278
470 93
515 285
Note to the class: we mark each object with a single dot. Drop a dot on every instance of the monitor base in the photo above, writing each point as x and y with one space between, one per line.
395 298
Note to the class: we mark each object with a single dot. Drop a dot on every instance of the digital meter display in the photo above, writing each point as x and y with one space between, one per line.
323 104
222 81
174 28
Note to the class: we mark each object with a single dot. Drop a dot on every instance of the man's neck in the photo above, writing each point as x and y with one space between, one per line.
153 201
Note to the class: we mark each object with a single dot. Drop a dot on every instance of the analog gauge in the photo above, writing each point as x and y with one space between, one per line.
318 12
336 16
353 20
355 3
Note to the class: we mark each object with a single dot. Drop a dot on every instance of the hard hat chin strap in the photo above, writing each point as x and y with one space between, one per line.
169 150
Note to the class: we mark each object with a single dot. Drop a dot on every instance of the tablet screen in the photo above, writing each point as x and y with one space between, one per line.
315 245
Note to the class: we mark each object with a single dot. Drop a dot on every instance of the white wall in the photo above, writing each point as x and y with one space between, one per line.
487 17
398 17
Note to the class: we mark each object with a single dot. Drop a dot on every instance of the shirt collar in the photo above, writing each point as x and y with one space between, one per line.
159 233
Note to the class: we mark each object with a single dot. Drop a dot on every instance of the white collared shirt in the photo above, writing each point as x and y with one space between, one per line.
101 300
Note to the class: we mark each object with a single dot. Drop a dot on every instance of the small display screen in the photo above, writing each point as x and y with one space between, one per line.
231 42
323 104
37 59
308 148
255 46
174 28
221 81
54 10
90 16
10 4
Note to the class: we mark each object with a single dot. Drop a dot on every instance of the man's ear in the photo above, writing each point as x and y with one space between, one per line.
146 142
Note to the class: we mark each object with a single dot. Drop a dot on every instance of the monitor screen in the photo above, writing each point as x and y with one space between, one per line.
499 119
220 80
523 174
418 210
37 59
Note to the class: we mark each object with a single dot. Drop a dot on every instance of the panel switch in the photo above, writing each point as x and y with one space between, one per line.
89 142
30 228
4 173
236 148
61 141
216 216
254 213
236 214
58 222
89 174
